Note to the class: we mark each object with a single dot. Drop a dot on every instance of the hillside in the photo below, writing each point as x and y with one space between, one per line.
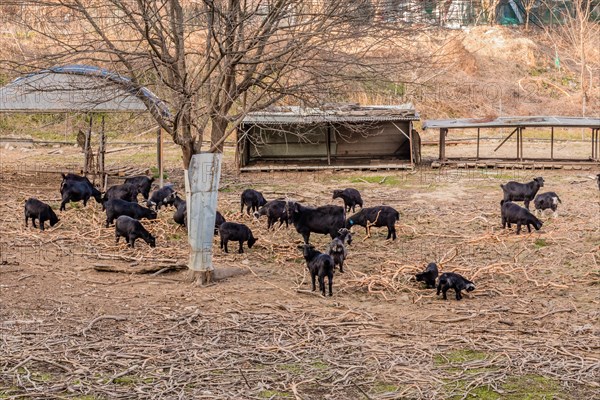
482 71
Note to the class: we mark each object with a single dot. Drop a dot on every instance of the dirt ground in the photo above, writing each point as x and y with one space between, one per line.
529 330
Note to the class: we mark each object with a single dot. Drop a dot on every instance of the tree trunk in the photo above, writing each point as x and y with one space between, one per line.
188 151
218 128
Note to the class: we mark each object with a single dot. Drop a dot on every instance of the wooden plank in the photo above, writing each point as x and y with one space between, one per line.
269 168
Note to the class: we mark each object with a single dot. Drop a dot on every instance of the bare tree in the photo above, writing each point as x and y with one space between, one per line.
214 61
578 30
528 6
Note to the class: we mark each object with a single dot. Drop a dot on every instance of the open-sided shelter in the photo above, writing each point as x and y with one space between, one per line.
79 89
517 126
334 137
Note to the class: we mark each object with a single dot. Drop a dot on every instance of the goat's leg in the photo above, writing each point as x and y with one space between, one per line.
322 284
458 295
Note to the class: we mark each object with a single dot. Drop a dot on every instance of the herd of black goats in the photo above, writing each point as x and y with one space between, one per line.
121 203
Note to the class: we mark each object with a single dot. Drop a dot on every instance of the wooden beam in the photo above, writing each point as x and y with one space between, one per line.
159 151
410 144
443 132
552 143
521 129
478 135
86 146
102 155
508 137
328 144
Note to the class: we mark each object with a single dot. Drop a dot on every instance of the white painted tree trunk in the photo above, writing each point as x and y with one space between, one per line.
202 185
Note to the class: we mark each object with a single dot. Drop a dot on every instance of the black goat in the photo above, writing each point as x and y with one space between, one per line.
125 191
325 219
320 265
132 229
236 232
78 190
515 214
351 198
74 177
548 200
219 220
142 184
252 199
337 248
428 276
515 191
117 207
376 216
450 280
35 209
180 215
162 197
598 179
275 211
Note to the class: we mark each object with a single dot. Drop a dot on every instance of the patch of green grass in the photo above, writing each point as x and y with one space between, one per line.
537 71
459 357
125 380
482 392
175 236
156 174
526 387
273 394
294 368
382 180
539 243
531 387
384 387
319 365
42 376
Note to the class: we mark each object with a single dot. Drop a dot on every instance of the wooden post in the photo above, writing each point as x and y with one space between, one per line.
328 144
595 144
518 148
521 142
410 144
478 129
86 146
102 154
552 143
159 155
443 132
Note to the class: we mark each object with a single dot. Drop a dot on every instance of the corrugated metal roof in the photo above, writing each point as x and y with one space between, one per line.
355 113
513 122
76 88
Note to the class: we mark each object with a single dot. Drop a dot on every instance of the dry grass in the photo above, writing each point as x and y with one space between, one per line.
69 331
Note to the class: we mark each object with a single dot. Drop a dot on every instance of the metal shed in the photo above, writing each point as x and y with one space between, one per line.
333 137
518 125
